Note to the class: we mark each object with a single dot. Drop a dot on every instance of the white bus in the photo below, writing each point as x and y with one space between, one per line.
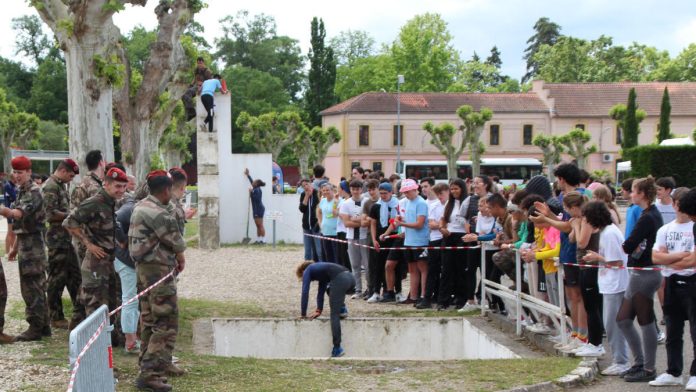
509 170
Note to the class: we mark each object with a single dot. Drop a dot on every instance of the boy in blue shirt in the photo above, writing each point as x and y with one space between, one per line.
208 89
417 235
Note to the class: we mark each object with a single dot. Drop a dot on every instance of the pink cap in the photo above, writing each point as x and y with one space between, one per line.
408 185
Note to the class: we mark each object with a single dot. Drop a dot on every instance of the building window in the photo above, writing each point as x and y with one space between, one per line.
376 166
354 164
396 133
527 134
363 135
580 126
494 139
619 135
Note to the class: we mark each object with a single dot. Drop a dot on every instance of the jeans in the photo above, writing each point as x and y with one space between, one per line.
130 313
312 246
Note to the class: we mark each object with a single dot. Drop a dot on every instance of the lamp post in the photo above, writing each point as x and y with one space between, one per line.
399 82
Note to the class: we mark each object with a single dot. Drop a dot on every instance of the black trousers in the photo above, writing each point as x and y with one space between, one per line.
375 264
329 249
341 285
493 274
432 284
680 306
592 299
208 104
342 251
453 269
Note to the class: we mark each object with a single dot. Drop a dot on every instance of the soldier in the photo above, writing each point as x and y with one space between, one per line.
157 247
179 181
28 215
93 223
63 267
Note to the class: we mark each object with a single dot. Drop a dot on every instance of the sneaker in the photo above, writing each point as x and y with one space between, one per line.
539 328
469 307
344 312
424 304
631 370
337 352
375 298
590 350
615 369
691 385
400 297
641 375
133 348
408 301
661 337
666 380
388 297
570 348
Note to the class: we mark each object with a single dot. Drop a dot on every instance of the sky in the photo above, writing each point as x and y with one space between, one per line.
476 25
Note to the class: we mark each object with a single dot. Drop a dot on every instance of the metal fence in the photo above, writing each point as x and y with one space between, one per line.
525 304
91 357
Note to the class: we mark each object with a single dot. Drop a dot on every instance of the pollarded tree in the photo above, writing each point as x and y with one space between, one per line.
311 146
575 142
443 138
551 149
472 127
16 128
270 132
322 140
302 145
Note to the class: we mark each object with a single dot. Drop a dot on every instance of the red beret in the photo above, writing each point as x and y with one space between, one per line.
117 174
73 165
21 163
178 170
157 173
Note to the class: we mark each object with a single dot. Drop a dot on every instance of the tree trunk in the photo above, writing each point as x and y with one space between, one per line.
452 165
7 158
475 160
304 166
550 166
172 158
141 145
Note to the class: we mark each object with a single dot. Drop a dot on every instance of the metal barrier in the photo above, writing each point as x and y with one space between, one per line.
535 306
91 353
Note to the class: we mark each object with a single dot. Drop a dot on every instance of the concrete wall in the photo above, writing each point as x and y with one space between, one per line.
363 338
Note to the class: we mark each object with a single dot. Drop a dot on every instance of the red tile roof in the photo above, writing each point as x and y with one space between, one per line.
596 99
438 102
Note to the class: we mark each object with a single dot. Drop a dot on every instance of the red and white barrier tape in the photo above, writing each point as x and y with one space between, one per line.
93 338
620 267
394 248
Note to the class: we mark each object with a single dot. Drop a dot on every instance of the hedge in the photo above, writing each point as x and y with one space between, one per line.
663 161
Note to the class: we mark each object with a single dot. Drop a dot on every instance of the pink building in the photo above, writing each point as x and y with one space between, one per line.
368 122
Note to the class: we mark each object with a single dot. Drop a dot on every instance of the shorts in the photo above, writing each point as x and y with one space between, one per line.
571 275
415 254
395 254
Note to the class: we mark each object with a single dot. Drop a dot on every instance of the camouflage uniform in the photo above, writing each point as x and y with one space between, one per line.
32 255
90 186
63 267
3 298
97 219
154 240
179 215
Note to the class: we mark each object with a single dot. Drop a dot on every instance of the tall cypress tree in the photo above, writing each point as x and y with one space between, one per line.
322 75
631 130
663 131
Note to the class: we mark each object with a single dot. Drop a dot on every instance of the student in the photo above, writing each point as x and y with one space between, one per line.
633 211
416 236
327 216
351 214
612 283
674 245
309 200
452 279
435 213
664 202
642 285
505 259
380 214
395 257
602 193
208 89
341 283
426 185
372 186
257 207
343 194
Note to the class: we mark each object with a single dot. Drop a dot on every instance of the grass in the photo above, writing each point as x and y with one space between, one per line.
209 373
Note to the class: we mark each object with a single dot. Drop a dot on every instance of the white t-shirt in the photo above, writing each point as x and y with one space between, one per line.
676 237
353 209
456 221
667 211
485 224
609 280
435 212
340 226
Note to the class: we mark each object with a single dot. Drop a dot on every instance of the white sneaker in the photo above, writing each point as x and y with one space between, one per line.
539 328
666 380
571 347
691 385
468 307
615 369
375 298
400 297
590 350
661 337
572 344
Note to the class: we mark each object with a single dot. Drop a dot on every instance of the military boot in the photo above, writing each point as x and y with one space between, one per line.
60 324
6 339
32 334
152 383
173 370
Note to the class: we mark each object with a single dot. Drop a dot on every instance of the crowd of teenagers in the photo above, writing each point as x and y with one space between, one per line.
571 227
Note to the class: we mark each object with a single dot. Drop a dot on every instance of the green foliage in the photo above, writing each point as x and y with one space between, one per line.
662 161
31 41
680 69
137 44
374 73
17 81
628 120
17 128
321 80
575 143
49 91
476 76
270 132
156 162
551 149
111 69
473 127
601 175
663 130
546 33
66 26
112 6
352 45
177 136
443 138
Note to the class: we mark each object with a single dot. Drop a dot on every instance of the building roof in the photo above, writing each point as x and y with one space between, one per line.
438 103
596 99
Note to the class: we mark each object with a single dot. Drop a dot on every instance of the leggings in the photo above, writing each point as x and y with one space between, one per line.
638 304
341 285
592 300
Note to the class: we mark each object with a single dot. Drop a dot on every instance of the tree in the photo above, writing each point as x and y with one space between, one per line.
49 95
628 117
472 127
551 149
145 101
311 146
546 33
302 144
374 73
663 131
322 140
17 128
17 81
575 143
322 75
352 45
31 40
680 69
270 132
424 54
443 138
494 58
476 77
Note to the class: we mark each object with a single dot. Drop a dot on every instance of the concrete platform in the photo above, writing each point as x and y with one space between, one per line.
363 339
